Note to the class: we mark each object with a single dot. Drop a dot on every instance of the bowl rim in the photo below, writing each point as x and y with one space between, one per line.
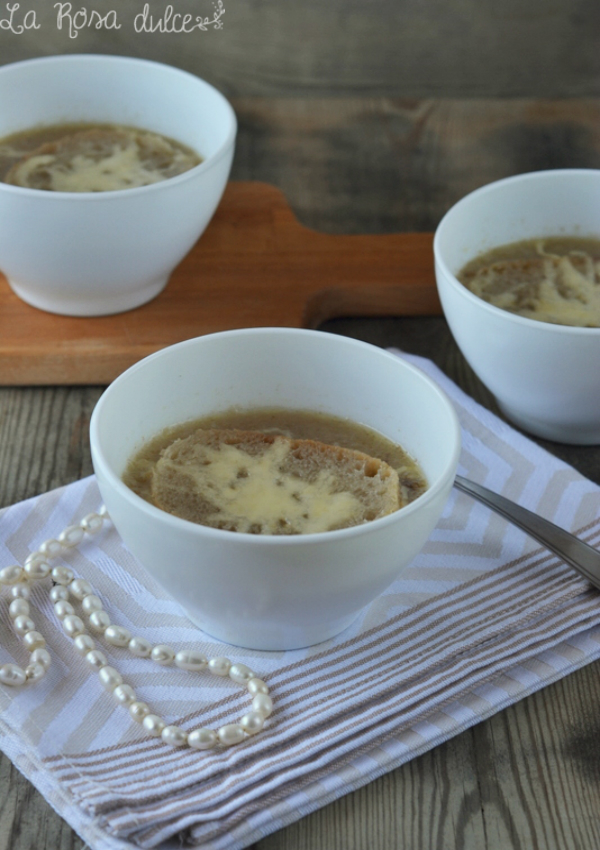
177 523
104 197
452 280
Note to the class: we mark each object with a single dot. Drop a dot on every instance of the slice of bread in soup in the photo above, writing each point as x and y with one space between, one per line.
101 159
260 483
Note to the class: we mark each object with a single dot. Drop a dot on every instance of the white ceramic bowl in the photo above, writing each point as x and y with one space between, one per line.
87 254
274 592
546 378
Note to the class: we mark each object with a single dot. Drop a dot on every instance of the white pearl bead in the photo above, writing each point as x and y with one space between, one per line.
34 672
140 646
37 570
202 739
263 704
103 512
34 557
117 636
11 575
91 603
219 666
153 724
71 536
84 644
41 656
231 734
73 625
59 593
189 659
91 523
62 608
110 678
18 608
99 621
21 590
79 587
138 710
12 675
240 673
23 625
62 575
252 722
257 686
162 654
174 736
51 548
34 640
96 659
124 694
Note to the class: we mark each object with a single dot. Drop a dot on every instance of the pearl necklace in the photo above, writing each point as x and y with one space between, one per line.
37 567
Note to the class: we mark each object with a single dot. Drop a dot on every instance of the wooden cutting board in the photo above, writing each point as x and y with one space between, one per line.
254 266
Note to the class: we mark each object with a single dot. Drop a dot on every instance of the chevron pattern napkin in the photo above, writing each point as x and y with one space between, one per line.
481 618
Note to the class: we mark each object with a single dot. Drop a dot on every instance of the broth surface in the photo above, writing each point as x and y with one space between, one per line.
295 424
554 280
89 157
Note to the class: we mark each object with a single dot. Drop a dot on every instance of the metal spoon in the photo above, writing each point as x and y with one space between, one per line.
569 548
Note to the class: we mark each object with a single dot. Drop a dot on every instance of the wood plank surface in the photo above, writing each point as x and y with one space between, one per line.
255 266
529 777
397 164
310 49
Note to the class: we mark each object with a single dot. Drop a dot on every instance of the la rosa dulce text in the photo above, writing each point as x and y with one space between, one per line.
72 19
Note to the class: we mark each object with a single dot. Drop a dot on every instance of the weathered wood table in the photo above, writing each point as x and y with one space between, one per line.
530 776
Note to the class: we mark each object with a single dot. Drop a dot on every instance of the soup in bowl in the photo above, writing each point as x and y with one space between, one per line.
266 590
109 242
542 370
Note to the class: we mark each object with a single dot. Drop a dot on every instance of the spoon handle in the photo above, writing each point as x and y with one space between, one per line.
569 548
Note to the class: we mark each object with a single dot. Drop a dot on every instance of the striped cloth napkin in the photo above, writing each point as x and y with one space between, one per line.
481 618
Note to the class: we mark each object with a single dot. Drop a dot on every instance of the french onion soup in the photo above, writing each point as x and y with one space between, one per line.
554 280
274 471
90 157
